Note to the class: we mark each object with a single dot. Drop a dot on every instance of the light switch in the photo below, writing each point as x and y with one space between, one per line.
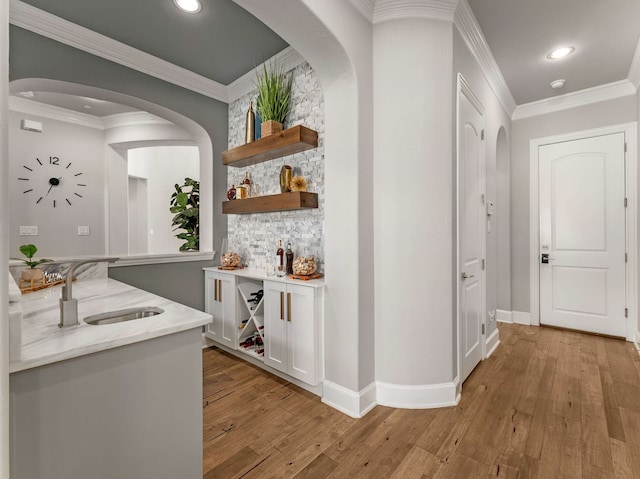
28 231
83 231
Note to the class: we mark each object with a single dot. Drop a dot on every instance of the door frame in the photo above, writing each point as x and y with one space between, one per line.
463 87
631 186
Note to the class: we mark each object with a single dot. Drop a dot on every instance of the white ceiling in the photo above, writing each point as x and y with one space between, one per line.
521 33
98 108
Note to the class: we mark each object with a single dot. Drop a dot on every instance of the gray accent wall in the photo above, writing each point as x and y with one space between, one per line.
612 112
34 56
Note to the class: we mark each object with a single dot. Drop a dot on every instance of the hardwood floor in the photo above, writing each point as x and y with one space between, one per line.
546 404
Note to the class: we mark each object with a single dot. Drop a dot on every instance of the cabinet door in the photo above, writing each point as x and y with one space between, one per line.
227 310
275 326
302 333
212 306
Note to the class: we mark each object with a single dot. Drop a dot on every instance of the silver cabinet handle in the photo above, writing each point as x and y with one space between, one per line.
466 276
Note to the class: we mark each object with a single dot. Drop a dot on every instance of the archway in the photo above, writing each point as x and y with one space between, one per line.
503 222
336 41
196 132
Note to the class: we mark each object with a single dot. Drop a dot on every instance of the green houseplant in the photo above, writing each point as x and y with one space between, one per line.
274 95
32 272
185 204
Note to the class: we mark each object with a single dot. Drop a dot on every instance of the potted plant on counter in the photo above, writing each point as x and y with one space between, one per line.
32 273
274 95
185 204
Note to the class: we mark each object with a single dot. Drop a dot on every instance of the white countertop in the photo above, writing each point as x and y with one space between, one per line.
43 342
254 273
14 292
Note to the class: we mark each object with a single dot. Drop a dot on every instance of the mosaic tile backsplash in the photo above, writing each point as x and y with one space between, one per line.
255 236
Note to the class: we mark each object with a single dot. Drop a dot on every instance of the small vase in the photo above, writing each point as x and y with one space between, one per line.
270 127
285 179
33 274
250 126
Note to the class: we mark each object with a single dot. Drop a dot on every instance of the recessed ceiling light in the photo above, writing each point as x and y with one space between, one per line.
189 6
26 94
86 107
558 83
560 53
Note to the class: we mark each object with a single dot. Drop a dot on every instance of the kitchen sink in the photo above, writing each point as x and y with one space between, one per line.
122 315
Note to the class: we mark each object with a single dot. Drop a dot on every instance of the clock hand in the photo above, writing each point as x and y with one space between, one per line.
49 191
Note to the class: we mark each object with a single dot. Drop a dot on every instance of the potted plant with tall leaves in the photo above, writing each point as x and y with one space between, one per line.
32 273
274 95
185 204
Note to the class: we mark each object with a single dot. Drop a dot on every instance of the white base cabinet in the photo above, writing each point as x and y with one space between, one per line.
220 302
289 319
292 332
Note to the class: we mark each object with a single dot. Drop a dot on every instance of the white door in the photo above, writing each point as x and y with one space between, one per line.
471 235
582 230
228 308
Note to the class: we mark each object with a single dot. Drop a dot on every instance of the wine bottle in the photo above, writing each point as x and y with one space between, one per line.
289 255
280 259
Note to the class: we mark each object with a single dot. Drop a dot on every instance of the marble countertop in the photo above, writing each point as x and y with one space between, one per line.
43 342
14 292
254 273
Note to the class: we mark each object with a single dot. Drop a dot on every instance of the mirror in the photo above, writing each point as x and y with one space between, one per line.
93 176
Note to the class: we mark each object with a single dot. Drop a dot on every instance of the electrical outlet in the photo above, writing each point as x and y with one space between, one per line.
84 231
28 231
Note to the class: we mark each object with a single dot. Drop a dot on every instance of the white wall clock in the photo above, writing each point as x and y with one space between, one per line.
52 182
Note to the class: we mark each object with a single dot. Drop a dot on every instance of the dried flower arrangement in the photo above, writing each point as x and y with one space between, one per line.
298 183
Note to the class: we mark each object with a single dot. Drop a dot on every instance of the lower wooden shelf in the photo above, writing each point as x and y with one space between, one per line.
295 200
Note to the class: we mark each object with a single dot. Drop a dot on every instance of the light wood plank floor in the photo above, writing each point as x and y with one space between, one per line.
547 404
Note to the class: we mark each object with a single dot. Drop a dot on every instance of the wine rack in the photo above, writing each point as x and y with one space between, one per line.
251 317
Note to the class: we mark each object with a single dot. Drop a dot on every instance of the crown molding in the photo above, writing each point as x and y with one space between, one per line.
575 99
288 59
365 7
30 107
385 10
38 21
134 118
466 23
634 71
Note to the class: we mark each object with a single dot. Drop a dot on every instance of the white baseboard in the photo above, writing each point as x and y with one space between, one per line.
503 316
637 341
492 342
354 404
418 397
520 317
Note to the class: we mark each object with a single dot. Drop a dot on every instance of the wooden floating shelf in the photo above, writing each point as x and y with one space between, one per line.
292 140
297 200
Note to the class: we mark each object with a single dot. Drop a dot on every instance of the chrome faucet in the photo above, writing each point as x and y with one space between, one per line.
68 305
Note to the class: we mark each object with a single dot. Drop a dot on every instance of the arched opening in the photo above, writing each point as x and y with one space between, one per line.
177 130
343 63
503 222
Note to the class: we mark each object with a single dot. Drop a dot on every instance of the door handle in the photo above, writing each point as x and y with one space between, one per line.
215 290
220 288
289 307
466 276
545 258
282 305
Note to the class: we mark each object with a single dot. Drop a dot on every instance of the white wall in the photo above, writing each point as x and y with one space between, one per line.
163 167
612 112
496 119
57 227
